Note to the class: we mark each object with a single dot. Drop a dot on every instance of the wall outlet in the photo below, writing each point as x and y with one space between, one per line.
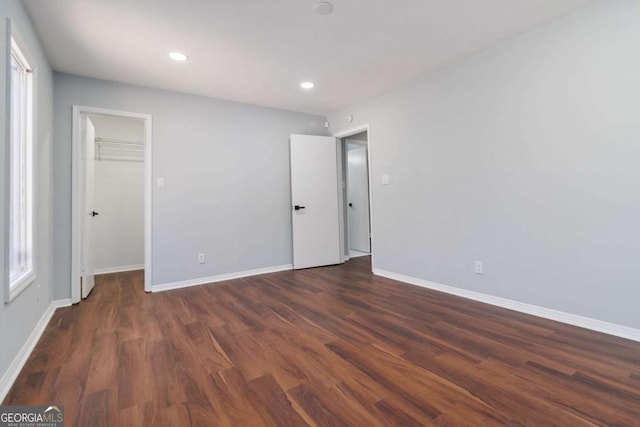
160 182
201 258
385 179
479 267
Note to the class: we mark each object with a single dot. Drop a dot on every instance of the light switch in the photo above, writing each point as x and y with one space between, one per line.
385 179
160 182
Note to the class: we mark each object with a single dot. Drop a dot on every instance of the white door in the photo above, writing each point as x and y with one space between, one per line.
314 196
358 198
88 143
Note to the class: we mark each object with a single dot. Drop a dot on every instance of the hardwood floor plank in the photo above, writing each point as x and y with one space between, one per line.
70 391
179 415
327 408
241 405
134 383
363 361
332 346
276 402
395 416
103 365
33 386
166 380
142 415
99 409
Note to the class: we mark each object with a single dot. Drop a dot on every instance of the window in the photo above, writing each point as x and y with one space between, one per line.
21 170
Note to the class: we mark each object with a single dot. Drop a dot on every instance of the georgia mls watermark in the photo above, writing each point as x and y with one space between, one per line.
31 416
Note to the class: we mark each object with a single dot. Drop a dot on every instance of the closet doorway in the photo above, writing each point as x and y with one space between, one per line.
355 157
111 198
357 195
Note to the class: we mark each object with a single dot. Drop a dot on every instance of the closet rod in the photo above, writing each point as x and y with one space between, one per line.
117 141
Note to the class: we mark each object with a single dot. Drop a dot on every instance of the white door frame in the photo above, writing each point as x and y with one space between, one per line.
76 193
345 134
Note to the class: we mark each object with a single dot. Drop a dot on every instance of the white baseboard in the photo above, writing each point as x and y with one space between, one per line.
546 313
60 303
10 375
121 269
219 278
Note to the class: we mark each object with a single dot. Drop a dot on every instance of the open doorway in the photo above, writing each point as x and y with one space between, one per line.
356 193
118 231
111 197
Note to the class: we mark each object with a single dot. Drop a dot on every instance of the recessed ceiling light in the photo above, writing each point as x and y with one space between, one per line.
307 85
178 56
323 8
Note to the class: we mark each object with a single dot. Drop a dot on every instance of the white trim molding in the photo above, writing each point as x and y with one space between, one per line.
10 375
76 193
61 303
219 278
345 134
546 313
121 269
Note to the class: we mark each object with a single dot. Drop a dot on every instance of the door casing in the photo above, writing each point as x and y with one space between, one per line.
77 201
341 135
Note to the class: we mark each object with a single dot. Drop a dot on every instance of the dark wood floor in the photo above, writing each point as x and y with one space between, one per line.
332 346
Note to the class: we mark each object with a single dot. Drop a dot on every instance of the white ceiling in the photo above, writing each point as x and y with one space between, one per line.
258 51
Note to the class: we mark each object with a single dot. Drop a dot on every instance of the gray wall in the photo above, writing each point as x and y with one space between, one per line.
20 316
526 157
226 167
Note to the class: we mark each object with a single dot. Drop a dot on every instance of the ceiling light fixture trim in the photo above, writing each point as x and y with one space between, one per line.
323 8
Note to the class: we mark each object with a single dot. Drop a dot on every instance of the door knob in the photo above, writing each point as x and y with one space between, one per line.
94 213
296 207
350 205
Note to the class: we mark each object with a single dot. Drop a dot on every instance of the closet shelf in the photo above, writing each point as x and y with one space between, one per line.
119 149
